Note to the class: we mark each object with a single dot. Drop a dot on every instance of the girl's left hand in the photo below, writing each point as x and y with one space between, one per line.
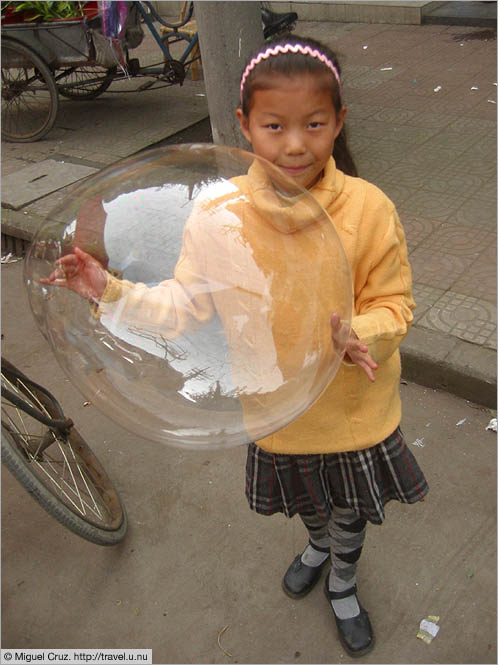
356 352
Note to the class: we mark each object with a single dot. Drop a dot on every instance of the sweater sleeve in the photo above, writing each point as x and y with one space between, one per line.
383 287
170 308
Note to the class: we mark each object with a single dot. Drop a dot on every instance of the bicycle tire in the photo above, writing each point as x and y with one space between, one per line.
30 99
85 82
76 491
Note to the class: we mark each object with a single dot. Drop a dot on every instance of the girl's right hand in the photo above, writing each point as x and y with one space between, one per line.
81 273
355 351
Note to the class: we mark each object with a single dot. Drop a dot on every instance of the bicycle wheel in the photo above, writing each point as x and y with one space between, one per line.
60 472
29 94
84 82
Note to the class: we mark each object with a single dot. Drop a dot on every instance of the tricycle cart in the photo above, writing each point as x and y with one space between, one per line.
79 59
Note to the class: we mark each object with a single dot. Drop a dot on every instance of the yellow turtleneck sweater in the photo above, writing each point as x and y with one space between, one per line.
263 321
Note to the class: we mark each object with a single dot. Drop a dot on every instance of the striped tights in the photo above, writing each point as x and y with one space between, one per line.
344 534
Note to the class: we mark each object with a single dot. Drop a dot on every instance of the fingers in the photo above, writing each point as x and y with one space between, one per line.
368 366
54 278
335 321
357 352
67 268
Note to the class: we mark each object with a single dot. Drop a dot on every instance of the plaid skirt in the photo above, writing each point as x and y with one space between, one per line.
362 480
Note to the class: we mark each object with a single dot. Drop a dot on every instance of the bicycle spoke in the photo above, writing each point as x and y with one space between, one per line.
64 473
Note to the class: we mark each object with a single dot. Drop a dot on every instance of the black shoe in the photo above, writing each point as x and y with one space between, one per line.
300 578
356 634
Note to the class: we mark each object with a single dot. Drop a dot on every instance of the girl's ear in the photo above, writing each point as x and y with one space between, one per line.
244 124
339 121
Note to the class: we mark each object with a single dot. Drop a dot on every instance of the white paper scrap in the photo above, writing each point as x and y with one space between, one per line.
438 88
429 627
461 422
492 425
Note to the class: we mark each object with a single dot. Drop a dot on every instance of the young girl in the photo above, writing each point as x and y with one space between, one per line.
345 458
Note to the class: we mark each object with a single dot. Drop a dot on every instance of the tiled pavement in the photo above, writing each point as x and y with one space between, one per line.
422 126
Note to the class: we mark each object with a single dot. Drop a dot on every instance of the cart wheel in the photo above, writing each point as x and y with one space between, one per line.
84 82
29 94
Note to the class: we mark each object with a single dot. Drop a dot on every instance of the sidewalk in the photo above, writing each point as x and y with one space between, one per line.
422 126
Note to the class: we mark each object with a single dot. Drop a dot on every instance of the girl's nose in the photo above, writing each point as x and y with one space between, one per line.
295 144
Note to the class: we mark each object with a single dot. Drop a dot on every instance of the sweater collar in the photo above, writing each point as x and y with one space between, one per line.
291 213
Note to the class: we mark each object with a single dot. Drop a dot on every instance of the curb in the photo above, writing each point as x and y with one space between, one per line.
441 361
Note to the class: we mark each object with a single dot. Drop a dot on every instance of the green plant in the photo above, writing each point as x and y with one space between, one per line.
47 11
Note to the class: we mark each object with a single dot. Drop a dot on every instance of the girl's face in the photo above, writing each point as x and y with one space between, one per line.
294 125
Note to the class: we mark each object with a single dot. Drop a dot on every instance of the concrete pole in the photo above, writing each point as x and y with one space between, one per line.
228 33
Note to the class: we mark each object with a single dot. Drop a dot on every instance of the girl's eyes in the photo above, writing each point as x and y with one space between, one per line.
273 126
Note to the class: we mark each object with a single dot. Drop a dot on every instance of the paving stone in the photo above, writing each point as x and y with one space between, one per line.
37 180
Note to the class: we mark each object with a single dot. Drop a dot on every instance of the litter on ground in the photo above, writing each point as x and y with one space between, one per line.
428 629
492 425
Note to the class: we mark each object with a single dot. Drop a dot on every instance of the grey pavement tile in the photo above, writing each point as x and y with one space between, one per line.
372 130
448 138
402 117
447 181
430 267
485 147
372 78
358 143
369 167
477 213
360 111
453 103
425 297
434 120
392 150
408 175
350 72
417 229
474 163
37 180
397 193
457 240
487 191
433 205
11 165
466 125
412 102
431 156
479 280
464 317
485 110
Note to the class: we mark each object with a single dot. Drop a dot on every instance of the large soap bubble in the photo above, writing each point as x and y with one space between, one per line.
216 280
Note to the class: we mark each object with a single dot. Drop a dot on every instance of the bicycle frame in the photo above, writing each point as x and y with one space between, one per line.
62 425
163 44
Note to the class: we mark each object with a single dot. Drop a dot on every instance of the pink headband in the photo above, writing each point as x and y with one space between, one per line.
295 48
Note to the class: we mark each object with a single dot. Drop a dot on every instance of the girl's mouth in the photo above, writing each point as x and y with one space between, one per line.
294 170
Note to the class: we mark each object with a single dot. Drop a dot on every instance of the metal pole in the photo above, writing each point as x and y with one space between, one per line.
228 33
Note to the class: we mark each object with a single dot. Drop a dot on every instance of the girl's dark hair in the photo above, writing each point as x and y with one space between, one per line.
291 64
